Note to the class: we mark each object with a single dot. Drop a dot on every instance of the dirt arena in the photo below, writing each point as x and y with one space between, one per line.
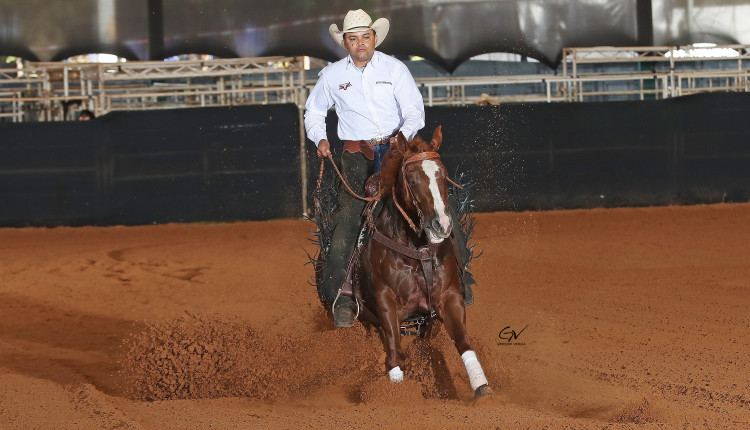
626 318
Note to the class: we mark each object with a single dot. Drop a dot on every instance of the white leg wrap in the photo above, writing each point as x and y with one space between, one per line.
474 369
397 375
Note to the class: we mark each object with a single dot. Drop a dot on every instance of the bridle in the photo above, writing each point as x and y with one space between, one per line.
426 254
421 156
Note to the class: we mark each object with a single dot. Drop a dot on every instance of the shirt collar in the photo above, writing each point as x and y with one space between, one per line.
373 61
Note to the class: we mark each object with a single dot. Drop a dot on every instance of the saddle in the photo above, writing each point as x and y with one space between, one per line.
350 287
372 184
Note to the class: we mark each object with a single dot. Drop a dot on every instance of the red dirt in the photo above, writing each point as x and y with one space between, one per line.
633 317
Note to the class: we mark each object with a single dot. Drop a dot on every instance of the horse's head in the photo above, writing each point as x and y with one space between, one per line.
424 184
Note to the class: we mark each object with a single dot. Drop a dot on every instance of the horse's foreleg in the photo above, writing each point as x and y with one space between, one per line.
387 309
453 314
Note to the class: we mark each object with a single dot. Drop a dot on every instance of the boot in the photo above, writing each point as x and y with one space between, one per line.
468 280
343 316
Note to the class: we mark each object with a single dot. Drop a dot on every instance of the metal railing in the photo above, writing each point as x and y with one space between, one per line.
50 91
45 91
669 74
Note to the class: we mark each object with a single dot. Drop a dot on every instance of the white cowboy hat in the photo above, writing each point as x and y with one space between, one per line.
359 20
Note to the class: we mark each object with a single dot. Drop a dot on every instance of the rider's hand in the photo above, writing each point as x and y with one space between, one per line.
324 149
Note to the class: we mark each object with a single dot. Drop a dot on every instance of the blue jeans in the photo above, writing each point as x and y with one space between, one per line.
380 151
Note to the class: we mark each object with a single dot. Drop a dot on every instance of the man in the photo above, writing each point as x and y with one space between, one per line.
375 97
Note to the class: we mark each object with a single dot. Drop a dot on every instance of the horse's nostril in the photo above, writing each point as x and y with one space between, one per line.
436 225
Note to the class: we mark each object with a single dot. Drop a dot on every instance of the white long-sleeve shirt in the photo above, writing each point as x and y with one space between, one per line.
381 99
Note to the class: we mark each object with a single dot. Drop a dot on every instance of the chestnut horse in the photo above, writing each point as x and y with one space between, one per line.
413 270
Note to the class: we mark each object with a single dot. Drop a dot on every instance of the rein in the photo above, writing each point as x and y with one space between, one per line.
407 188
351 191
425 255
426 156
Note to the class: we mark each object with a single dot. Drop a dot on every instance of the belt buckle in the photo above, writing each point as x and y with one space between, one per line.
377 140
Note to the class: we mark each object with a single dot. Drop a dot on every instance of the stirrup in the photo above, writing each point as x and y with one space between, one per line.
342 315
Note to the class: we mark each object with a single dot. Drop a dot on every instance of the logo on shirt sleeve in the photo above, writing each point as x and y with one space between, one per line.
345 86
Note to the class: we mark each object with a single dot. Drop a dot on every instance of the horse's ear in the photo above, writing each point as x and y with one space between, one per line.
437 138
401 142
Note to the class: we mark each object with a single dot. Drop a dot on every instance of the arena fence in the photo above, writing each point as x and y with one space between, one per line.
246 163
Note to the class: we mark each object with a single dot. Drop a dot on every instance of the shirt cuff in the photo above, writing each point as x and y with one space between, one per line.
317 137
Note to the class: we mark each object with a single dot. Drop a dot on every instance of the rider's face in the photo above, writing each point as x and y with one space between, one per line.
361 46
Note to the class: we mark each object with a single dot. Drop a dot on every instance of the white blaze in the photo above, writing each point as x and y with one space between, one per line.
431 168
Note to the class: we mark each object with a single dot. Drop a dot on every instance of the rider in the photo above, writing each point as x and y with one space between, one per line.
375 97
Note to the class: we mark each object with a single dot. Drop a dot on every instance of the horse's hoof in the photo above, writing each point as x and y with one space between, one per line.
482 390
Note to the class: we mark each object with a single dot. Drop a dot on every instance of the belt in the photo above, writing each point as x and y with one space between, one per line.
378 140
365 146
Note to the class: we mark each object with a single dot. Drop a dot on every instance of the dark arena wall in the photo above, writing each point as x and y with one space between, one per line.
684 150
244 163
151 167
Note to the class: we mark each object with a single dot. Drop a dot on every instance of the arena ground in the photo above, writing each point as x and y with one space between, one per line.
625 318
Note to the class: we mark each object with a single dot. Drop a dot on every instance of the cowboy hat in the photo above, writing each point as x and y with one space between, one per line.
356 21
